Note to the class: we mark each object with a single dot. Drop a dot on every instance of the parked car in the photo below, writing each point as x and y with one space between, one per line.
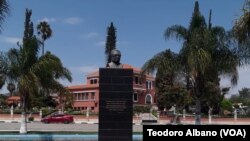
58 118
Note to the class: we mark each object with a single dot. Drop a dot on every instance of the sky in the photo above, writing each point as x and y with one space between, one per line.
80 28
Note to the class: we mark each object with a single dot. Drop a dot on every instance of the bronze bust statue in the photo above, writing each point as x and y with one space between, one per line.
115 59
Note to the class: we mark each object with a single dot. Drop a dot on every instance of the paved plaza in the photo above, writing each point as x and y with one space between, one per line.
83 124
75 131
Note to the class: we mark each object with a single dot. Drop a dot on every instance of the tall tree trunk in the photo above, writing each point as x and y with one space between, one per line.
23 128
199 89
210 114
43 48
197 112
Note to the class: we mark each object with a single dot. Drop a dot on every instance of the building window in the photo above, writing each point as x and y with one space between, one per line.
136 80
148 99
93 81
85 96
77 96
149 85
82 98
92 95
74 94
135 96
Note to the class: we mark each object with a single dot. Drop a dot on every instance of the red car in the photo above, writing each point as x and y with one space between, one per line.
58 118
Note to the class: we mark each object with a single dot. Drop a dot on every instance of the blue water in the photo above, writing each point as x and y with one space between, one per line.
55 137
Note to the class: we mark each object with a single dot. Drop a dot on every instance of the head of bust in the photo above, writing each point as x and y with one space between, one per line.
115 59
115 56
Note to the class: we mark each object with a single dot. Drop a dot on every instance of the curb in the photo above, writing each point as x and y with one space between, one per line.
14 121
89 123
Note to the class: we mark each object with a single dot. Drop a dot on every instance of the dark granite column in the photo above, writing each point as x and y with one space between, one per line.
115 104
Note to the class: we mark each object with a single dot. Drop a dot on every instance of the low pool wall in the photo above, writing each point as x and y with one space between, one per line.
54 137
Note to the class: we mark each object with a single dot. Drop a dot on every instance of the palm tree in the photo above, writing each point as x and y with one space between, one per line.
170 90
194 56
32 73
3 69
44 31
204 51
4 12
241 28
241 32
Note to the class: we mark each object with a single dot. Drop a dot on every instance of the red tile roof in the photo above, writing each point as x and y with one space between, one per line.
83 86
127 66
13 98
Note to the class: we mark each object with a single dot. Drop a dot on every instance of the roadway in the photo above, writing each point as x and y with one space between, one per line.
59 127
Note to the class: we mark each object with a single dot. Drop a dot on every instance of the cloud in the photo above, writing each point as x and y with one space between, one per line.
70 20
101 43
85 69
244 80
4 89
90 35
49 20
11 40
73 20
74 82
79 74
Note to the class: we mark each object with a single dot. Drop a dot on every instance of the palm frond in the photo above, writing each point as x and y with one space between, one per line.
4 12
177 31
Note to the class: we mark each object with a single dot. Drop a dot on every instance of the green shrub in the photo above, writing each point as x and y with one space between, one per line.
73 112
154 112
31 119
47 111
140 109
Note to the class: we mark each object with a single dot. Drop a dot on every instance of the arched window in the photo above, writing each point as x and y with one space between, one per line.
148 99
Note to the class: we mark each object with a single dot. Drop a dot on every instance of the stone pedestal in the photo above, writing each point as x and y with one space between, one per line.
115 104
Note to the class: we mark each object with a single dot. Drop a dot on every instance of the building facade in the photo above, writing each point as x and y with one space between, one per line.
86 96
